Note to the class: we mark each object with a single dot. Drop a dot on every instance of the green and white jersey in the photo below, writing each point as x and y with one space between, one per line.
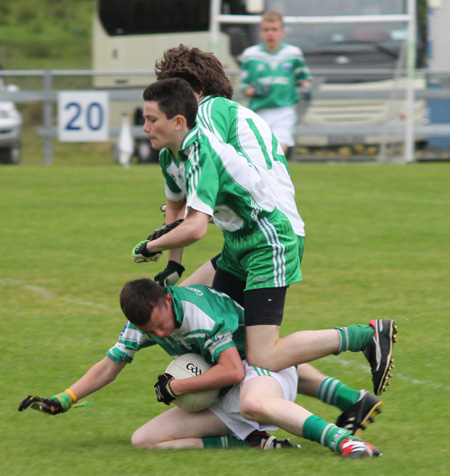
208 323
282 71
252 139
220 182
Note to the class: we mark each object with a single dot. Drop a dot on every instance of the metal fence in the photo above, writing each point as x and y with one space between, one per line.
47 94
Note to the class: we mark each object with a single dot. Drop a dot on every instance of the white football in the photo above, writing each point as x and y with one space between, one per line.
186 366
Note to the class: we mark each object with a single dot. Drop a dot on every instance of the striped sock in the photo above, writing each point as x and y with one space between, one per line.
228 441
354 338
334 392
327 434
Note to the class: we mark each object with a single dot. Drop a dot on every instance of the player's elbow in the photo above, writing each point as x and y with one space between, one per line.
195 225
198 232
238 374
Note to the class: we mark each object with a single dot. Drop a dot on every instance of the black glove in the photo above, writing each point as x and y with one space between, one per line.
162 230
141 255
171 275
163 391
52 406
261 90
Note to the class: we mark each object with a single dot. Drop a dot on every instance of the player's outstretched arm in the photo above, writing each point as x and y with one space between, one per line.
97 377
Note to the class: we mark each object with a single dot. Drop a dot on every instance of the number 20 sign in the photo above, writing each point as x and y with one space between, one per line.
83 116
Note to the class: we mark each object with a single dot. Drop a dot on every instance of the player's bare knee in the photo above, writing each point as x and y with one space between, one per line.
252 407
136 440
140 439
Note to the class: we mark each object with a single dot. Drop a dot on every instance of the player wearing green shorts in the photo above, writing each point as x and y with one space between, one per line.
221 183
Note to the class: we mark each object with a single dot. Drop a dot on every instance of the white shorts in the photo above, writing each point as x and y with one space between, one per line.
282 121
227 407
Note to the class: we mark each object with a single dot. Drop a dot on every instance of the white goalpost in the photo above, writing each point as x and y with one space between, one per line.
216 19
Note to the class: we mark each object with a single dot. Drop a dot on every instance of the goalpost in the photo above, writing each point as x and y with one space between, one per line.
216 19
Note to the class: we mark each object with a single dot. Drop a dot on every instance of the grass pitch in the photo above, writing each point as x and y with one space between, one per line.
377 247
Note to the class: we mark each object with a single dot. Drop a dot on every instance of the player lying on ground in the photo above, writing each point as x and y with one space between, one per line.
201 320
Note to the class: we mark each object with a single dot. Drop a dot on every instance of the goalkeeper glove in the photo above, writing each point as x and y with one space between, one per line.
60 403
163 230
171 275
141 255
163 391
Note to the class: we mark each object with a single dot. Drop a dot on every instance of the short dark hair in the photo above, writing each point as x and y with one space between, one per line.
139 298
174 96
202 70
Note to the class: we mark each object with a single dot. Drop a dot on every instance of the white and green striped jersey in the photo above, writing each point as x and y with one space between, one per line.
220 182
208 322
282 71
252 139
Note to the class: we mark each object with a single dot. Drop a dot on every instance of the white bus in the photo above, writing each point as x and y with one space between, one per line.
130 35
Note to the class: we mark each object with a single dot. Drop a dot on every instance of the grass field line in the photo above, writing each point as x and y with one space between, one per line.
46 294
50 295
396 376
379 196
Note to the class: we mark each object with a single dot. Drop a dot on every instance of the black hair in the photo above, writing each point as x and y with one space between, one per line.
139 298
174 96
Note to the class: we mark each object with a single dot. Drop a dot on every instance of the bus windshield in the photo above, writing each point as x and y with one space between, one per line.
143 17
331 45
134 17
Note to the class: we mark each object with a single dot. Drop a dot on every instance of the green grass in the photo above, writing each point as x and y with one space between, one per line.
377 246
46 34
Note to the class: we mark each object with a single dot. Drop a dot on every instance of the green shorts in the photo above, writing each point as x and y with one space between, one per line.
268 256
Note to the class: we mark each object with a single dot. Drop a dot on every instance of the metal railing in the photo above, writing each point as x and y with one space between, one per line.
48 96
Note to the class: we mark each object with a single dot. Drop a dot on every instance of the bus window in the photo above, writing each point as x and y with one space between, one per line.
134 17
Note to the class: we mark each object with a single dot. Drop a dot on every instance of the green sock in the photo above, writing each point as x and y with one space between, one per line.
334 392
228 441
327 434
354 338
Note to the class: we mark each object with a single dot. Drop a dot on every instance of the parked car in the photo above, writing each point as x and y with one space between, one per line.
10 129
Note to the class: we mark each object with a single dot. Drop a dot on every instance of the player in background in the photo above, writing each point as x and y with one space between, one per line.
201 320
270 74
